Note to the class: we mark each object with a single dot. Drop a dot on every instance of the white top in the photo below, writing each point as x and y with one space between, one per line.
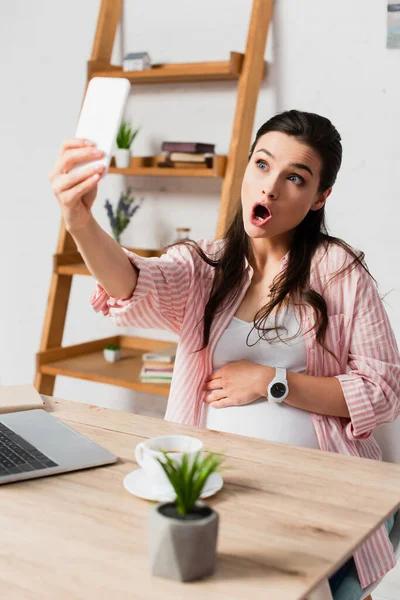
263 419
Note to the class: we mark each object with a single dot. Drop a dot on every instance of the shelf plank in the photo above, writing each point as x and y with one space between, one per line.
71 263
147 166
179 72
73 269
86 361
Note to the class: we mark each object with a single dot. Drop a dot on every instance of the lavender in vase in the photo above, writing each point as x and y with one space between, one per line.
126 208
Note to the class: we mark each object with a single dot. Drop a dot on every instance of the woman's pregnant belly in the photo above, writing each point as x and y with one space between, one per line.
264 420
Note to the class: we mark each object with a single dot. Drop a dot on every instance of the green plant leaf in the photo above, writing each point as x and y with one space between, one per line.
208 466
126 135
188 481
112 347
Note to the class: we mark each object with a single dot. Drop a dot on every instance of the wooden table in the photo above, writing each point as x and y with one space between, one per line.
289 518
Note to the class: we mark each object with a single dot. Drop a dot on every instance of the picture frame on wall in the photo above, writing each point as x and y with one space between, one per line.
393 24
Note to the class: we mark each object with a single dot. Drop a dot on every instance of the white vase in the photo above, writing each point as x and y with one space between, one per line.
122 158
112 355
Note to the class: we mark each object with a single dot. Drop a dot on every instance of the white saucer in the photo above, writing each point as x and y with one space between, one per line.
138 484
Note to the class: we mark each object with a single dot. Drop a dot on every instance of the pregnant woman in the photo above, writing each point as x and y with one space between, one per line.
282 332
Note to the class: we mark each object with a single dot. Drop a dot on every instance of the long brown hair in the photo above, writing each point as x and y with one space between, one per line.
293 282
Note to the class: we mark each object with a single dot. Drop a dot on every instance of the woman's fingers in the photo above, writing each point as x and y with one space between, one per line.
75 143
72 157
213 384
69 197
66 157
70 181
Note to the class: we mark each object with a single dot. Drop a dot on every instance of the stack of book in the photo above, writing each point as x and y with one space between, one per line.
192 155
158 366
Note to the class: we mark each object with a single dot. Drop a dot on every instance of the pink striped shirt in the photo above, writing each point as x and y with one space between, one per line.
172 292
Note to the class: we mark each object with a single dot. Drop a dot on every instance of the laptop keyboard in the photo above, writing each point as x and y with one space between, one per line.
19 456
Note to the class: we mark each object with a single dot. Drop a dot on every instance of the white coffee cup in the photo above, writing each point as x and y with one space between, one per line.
175 446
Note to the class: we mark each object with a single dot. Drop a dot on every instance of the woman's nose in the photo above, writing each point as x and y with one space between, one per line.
271 187
271 191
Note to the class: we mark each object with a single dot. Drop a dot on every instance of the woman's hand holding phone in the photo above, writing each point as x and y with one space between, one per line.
76 190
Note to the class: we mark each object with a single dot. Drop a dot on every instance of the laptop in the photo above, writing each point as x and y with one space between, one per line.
33 444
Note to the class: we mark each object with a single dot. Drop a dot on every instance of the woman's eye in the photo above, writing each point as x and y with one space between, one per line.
296 179
261 164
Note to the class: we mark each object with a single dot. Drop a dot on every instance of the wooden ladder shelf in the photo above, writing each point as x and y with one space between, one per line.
85 361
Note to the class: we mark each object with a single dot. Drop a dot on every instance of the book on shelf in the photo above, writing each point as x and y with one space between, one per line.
184 160
153 364
200 157
153 375
173 164
164 355
157 370
192 147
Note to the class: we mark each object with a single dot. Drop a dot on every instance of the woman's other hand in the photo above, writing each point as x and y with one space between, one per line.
237 383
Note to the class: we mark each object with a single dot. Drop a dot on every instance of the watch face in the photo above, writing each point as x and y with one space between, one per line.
278 390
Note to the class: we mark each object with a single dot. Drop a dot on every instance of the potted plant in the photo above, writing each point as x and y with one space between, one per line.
183 534
112 352
125 137
125 209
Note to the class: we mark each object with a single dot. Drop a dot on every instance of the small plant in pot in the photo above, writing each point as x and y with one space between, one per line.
183 533
125 137
112 352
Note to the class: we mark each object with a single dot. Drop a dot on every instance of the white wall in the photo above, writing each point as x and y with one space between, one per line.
325 57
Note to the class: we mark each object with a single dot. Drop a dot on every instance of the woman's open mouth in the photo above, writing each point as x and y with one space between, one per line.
260 215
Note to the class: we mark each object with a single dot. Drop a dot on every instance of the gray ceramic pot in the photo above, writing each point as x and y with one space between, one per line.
183 549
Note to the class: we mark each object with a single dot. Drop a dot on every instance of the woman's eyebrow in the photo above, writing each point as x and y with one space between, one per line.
295 165
301 166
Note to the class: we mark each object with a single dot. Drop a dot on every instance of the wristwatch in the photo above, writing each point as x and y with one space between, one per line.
278 389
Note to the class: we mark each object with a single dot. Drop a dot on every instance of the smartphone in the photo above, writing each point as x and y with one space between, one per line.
101 115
